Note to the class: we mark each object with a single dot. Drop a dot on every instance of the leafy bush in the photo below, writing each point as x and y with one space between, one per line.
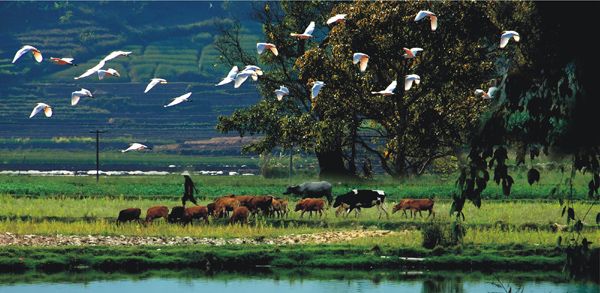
443 234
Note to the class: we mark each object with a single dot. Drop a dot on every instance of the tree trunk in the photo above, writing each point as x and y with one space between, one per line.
331 164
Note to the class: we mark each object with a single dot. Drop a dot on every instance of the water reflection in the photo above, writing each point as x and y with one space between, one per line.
282 280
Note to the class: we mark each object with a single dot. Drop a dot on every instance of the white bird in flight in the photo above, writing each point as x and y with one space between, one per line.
179 99
116 54
282 92
307 33
92 70
41 106
363 59
424 13
63 61
108 72
337 18
409 81
261 47
412 52
136 147
36 53
249 70
389 90
506 35
230 76
154 82
75 96
488 95
317 85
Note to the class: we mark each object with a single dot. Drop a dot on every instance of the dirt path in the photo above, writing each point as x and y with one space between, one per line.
9 239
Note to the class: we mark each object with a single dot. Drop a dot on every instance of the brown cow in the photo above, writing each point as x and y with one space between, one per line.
262 203
240 214
310 205
225 204
403 205
195 212
176 214
132 214
156 212
419 205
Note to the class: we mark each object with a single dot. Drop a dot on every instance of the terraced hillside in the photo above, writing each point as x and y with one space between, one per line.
170 40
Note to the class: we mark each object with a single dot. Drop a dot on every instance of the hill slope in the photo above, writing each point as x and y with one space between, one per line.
170 40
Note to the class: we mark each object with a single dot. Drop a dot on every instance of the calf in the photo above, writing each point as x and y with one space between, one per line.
311 190
240 214
126 215
419 205
211 208
176 214
344 207
195 212
280 207
362 199
310 205
403 205
156 212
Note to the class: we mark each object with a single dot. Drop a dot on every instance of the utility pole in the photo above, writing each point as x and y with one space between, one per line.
97 132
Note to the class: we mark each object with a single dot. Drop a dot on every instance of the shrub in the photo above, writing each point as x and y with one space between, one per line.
443 234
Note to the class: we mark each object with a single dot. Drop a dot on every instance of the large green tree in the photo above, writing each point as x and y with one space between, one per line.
406 131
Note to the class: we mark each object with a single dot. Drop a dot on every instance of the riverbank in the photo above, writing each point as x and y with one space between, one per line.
319 250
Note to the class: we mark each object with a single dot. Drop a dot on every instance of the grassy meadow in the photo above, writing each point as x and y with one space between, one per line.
506 232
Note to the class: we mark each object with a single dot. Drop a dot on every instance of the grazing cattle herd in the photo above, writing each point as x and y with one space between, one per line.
245 206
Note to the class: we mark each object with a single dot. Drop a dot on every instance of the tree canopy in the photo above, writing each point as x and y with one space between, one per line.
406 131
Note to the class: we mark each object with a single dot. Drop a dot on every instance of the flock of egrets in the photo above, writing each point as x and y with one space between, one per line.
239 77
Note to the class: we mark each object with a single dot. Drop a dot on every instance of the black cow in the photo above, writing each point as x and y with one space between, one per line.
311 190
357 199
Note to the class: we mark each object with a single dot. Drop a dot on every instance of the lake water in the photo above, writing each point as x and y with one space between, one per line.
313 281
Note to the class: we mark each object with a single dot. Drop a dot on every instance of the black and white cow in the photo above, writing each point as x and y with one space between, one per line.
311 190
357 199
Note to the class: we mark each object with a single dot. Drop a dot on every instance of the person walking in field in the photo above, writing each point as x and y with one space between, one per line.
189 188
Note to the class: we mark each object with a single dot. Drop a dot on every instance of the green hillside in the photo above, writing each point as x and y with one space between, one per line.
170 40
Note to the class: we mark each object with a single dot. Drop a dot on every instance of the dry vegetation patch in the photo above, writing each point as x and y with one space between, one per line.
51 240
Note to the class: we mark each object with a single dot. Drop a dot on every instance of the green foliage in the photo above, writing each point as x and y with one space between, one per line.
443 234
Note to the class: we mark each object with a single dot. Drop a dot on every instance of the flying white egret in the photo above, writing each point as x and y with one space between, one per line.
337 18
389 90
230 76
261 47
409 80
317 85
488 95
363 59
36 53
63 61
412 52
116 54
281 92
179 99
249 70
75 96
154 82
307 33
108 72
424 13
506 35
136 147
41 106
92 70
